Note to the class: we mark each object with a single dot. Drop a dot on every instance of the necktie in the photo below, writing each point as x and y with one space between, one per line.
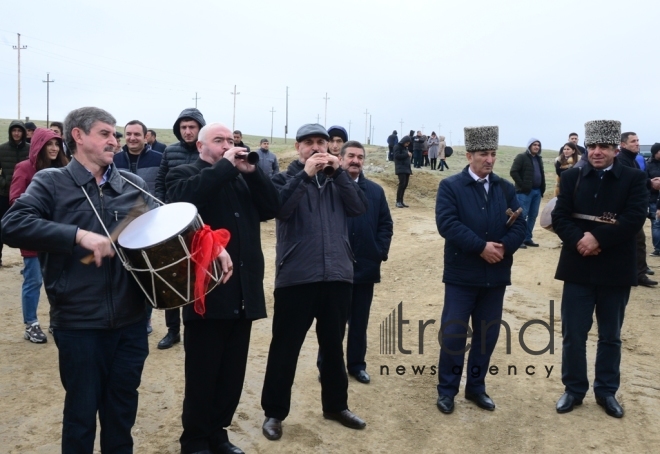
601 173
482 182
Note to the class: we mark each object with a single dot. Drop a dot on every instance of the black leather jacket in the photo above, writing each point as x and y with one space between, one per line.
46 219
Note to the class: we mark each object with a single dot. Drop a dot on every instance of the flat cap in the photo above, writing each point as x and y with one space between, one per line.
481 138
30 126
263 140
602 131
311 130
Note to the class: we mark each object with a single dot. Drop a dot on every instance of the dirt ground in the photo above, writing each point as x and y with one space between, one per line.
400 407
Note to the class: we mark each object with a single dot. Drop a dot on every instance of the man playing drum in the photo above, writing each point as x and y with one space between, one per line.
231 194
97 312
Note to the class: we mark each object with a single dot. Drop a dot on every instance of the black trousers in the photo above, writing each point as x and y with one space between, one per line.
173 320
358 321
296 307
640 240
390 153
403 184
4 206
577 308
216 356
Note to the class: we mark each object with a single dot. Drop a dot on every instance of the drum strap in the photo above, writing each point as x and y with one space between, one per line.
140 189
103 225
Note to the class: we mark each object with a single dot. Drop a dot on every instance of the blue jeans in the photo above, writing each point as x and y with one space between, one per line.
31 289
655 227
530 204
100 370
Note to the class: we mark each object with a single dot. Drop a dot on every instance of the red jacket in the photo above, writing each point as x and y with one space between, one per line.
25 170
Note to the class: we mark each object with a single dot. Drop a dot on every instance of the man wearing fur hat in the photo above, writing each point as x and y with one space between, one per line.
528 174
600 209
480 240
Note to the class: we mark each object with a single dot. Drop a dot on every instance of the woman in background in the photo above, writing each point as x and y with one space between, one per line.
46 151
568 157
434 147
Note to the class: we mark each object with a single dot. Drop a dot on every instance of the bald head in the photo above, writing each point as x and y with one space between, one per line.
213 140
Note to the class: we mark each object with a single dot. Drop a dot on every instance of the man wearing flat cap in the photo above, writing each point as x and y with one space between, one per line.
600 209
338 137
477 214
313 278
30 127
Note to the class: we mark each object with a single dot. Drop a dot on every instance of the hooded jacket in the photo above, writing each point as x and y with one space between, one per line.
25 170
312 231
11 153
522 170
401 157
178 153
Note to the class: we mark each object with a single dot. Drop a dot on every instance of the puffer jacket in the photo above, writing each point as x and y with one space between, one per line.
522 170
148 164
25 170
11 153
178 153
401 157
312 233
47 218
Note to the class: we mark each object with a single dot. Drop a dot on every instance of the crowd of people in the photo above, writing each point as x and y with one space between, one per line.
63 189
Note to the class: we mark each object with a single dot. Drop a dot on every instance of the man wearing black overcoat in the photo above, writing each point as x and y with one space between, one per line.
231 194
597 262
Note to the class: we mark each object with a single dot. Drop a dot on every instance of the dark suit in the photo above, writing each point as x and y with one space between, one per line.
474 288
217 344
601 282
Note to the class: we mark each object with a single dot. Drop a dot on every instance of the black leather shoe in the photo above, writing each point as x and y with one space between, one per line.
347 418
610 405
482 400
399 205
646 282
203 451
567 402
445 404
227 448
404 205
650 272
362 376
530 243
522 246
272 428
169 340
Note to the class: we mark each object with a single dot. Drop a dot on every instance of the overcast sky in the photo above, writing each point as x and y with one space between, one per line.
534 68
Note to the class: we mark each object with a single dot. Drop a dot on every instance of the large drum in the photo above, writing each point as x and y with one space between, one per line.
156 249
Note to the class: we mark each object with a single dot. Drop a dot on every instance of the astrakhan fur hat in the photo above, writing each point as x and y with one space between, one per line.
602 131
481 138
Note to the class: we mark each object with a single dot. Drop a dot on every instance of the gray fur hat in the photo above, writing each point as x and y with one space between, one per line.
602 131
481 138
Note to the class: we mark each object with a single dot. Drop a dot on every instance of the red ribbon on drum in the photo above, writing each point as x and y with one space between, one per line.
206 246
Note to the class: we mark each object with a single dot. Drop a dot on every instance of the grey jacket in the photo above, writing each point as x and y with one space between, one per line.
268 162
46 218
312 233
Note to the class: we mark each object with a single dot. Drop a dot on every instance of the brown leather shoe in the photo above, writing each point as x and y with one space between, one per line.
272 428
346 418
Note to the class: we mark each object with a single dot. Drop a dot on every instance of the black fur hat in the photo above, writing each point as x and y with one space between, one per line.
602 131
482 138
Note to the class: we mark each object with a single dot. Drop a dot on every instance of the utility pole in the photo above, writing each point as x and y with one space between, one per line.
373 128
401 123
233 121
325 118
195 99
450 142
286 124
439 128
19 48
272 115
318 118
366 122
422 129
349 129
48 82
371 136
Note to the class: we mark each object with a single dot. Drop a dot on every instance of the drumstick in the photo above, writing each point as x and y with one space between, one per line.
139 208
